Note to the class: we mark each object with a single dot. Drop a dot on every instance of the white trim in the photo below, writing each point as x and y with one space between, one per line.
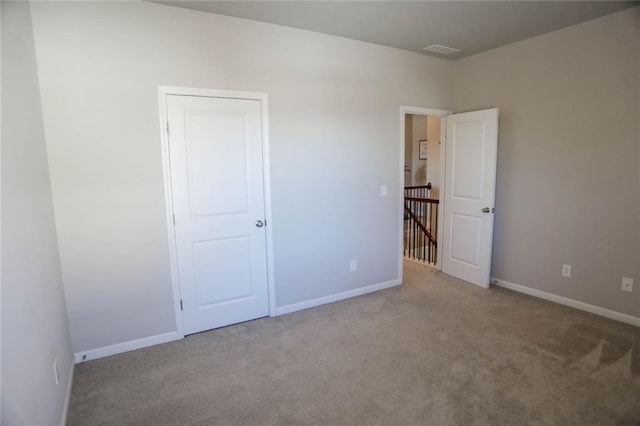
168 198
597 310
266 172
131 345
163 92
443 188
1 150
211 93
287 309
425 111
401 196
404 109
67 399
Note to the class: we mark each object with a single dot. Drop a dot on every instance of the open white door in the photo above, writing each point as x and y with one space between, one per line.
471 148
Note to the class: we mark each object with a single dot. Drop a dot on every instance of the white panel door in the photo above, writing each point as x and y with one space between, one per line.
471 148
215 151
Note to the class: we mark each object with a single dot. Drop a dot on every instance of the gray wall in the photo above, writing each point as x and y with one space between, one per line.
334 128
568 159
34 319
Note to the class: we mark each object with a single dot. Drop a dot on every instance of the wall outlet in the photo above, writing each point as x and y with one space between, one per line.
627 284
353 266
566 271
384 191
56 373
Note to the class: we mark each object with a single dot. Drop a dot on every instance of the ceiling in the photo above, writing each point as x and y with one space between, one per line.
470 26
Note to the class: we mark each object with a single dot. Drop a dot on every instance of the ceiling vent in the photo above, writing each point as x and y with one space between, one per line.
443 50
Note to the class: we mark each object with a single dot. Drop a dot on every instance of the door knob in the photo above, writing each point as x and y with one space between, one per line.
259 224
486 210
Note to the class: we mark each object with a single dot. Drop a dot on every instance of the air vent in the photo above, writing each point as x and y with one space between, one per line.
443 50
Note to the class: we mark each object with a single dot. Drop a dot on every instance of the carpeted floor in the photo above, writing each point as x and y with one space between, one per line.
435 351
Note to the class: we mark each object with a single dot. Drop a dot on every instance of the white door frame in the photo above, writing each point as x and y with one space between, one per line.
163 92
421 111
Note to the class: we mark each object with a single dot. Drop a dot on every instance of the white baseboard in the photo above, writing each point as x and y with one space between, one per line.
67 399
287 309
119 348
603 312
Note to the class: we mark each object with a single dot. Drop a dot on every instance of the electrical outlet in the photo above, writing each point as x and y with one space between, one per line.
566 271
353 266
383 191
56 373
627 284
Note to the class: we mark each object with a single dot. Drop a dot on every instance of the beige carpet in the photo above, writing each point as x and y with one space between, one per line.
435 351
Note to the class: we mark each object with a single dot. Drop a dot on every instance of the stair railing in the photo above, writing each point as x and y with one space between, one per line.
420 224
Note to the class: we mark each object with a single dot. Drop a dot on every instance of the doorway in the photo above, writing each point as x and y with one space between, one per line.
422 184
422 133
463 233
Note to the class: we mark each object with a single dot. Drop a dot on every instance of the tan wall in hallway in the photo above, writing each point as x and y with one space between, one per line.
408 149
433 159
419 133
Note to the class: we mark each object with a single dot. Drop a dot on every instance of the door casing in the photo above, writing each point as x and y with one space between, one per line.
443 133
163 92
420 111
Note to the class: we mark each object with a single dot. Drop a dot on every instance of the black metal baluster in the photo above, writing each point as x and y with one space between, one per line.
415 232
413 246
421 233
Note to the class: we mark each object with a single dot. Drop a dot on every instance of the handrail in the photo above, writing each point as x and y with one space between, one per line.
421 224
418 222
415 218
426 200
418 190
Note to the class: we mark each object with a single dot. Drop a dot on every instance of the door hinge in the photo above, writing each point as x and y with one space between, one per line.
181 307
174 220
167 127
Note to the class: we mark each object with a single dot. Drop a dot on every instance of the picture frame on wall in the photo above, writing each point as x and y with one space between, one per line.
422 154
